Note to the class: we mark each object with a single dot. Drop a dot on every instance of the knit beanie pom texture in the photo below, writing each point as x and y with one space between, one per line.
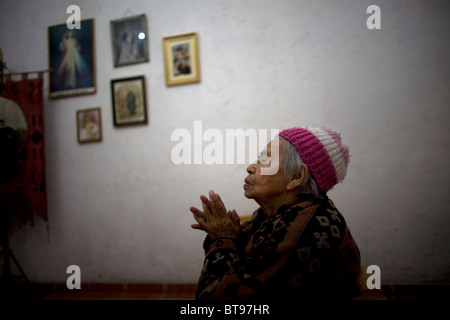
323 152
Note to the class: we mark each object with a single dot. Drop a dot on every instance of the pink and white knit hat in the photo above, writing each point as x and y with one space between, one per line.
323 152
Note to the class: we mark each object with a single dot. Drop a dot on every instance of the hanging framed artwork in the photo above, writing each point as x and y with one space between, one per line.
129 38
89 125
129 101
71 60
181 59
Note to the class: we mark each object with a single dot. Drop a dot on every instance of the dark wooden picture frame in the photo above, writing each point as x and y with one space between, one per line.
129 101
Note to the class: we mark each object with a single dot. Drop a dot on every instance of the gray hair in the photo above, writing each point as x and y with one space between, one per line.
291 164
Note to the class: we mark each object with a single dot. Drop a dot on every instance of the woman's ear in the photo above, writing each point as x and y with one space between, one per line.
299 179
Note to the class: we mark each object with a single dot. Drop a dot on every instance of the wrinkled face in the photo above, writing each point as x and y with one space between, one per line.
265 187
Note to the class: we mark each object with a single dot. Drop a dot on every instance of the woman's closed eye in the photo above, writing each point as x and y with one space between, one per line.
263 158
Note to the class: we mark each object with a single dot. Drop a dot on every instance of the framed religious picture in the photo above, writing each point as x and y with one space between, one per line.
181 59
129 102
89 125
129 39
71 60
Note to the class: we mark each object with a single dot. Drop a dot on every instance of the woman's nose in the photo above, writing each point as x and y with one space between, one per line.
251 168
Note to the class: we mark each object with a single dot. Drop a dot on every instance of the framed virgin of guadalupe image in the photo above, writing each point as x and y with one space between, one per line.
129 102
129 39
71 60
181 59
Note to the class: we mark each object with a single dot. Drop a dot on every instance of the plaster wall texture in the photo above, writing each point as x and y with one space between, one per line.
119 209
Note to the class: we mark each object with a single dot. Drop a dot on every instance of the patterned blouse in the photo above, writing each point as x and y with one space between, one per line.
303 250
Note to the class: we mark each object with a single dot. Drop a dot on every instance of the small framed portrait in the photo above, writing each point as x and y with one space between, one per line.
181 59
129 39
129 102
71 60
89 125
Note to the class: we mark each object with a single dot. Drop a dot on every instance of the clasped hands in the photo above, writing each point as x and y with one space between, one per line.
215 219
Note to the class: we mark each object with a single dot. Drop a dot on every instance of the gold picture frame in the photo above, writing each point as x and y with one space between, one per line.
89 125
181 59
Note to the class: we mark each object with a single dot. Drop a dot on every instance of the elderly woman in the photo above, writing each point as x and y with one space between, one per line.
297 244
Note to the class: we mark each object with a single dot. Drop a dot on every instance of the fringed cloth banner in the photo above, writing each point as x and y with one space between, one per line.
22 160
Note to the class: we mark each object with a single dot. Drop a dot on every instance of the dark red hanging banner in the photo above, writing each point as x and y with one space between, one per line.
22 160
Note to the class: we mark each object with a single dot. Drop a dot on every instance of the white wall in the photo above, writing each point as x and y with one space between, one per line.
119 208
